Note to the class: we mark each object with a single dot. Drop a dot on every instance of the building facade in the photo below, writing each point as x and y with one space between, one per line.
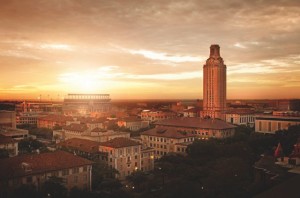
52 121
7 119
271 124
132 123
35 169
165 140
9 144
202 128
214 85
127 156
240 117
84 148
17 134
154 116
28 118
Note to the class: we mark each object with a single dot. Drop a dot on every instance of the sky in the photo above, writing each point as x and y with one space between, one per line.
147 49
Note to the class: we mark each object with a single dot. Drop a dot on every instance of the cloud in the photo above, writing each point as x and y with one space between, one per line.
239 45
166 42
159 56
164 77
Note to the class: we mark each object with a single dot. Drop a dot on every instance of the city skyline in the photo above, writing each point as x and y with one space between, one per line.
147 49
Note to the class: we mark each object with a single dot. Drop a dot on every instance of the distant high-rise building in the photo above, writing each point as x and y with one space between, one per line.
214 85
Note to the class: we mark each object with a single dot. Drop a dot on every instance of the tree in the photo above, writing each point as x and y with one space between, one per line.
29 145
25 191
101 171
79 193
57 127
288 138
4 153
137 178
242 132
110 184
54 187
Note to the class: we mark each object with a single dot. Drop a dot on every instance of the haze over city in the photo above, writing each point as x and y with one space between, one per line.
147 49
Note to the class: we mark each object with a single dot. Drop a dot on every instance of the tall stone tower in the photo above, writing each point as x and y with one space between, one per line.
214 85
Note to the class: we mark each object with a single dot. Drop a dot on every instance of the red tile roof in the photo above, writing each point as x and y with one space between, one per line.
193 110
39 163
119 143
99 130
131 119
76 127
87 146
240 111
56 118
90 120
167 132
196 123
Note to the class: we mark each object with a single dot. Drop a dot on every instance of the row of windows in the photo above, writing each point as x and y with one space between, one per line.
158 146
30 178
129 165
158 139
127 151
161 153
246 119
279 126
182 149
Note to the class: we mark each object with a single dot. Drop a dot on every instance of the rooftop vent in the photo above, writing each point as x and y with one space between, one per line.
26 167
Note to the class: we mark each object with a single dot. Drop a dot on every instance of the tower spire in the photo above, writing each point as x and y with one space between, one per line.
214 51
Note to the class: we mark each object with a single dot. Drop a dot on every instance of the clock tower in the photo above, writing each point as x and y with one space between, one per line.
214 85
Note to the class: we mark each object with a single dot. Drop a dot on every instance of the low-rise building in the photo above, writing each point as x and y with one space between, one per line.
35 169
52 121
9 144
202 128
126 156
85 148
133 123
37 107
81 132
75 129
192 112
166 140
17 134
271 124
28 118
240 117
154 116
92 123
7 119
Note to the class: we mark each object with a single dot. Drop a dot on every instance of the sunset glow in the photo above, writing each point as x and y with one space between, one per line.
147 49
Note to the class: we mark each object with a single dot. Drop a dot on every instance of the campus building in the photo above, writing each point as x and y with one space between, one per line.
7 119
165 140
132 123
154 116
35 169
127 156
271 123
240 117
9 144
202 128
